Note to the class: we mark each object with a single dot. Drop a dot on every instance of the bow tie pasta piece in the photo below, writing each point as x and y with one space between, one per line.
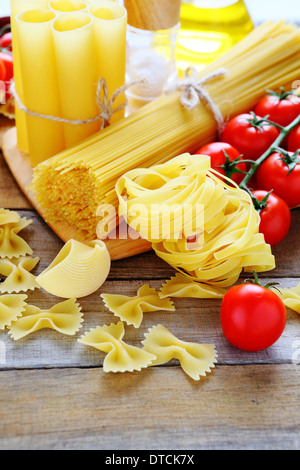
18 275
11 307
8 217
64 317
196 359
291 297
131 309
200 225
78 270
11 244
183 286
120 357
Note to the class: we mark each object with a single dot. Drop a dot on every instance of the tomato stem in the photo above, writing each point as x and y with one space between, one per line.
283 94
5 29
257 122
260 205
256 281
273 148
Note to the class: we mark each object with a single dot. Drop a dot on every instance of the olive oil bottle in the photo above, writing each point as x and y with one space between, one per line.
208 29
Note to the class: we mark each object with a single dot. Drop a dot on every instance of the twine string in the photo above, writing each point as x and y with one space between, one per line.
104 103
193 92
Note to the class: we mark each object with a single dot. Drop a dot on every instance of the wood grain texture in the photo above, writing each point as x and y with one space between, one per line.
10 194
241 407
194 320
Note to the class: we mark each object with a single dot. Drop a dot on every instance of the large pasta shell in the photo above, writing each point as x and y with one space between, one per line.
77 271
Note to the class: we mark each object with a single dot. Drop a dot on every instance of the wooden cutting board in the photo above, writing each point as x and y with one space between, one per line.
19 165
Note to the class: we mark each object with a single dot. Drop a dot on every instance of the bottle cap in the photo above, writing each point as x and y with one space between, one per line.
153 15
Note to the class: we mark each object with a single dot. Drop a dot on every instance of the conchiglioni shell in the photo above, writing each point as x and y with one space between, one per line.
77 271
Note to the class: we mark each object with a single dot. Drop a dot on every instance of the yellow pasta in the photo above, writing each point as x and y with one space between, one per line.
131 309
291 297
72 185
11 244
121 357
64 317
11 307
18 275
197 203
77 271
7 217
195 359
182 286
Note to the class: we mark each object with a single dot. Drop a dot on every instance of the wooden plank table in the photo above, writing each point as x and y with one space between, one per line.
55 395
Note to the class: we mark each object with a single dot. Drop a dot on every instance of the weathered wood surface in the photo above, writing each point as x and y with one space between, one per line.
241 407
55 395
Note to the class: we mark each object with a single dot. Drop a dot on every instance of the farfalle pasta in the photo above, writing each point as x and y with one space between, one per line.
8 217
195 359
196 222
11 244
131 309
64 317
11 307
183 286
291 297
121 357
78 270
18 275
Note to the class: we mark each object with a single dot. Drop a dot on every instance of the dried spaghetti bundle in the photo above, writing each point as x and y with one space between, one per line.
70 186
227 237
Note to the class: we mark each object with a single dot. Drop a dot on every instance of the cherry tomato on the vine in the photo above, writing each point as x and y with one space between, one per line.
6 41
281 173
294 140
225 159
2 71
7 60
252 317
275 216
250 135
281 108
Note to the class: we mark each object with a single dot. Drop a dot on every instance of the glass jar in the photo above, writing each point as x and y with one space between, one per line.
151 59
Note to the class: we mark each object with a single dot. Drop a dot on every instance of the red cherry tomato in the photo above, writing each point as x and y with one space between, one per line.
275 217
2 83
6 41
252 317
249 135
294 140
276 174
282 108
2 71
7 60
222 155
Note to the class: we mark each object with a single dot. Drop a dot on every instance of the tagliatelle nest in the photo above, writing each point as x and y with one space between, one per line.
202 226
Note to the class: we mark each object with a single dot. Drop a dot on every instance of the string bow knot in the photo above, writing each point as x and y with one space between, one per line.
194 92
